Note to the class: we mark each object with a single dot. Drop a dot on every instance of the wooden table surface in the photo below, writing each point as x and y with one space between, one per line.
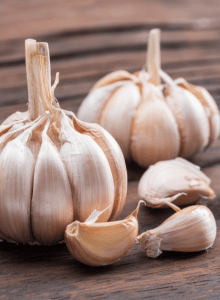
88 39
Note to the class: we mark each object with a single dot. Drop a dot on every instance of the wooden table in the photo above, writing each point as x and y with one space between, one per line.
88 39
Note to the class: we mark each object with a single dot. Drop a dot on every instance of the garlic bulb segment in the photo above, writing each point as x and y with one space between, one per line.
209 105
190 116
177 181
113 78
154 133
191 229
52 204
17 171
92 106
88 171
118 114
17 116
101 243
115 159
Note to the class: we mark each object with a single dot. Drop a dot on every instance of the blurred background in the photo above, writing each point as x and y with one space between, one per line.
89 38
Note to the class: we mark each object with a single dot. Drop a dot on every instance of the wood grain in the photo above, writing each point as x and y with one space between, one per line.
87 40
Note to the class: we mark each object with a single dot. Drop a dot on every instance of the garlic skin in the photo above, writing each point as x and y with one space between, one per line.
54 169
174 181
99 244
153 124
191 229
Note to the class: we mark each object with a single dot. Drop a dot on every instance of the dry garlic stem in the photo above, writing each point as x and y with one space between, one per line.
98 244
177 181
191 229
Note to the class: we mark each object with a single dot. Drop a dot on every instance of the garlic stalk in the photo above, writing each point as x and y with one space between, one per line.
150 121
98 244
191 229
177 181
54 170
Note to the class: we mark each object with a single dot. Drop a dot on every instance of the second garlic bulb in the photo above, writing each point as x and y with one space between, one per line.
153 122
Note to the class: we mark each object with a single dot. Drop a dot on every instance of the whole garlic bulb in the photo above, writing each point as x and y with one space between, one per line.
174 181
54 169
191 229
150 121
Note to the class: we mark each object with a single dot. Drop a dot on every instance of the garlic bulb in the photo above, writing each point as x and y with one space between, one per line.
54 169
191 229
150 121
174 181
98 244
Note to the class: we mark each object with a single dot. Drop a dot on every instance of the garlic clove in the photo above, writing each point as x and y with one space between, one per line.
154 133
176 181
88 171
52 203
114 77
191 229
92 106
16 180
101 243
118 114
191 119
115 159
17 116
209 105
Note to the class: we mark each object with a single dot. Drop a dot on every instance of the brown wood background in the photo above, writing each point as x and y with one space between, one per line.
88 39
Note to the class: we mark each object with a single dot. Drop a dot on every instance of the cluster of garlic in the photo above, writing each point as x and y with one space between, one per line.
150 121
54 169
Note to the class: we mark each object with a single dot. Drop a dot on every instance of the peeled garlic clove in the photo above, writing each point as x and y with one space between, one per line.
92 106
191 119
115 159
113 77
154 133
190 230
52 203
177 181
88 171
16 180
118 114
209 105
101 243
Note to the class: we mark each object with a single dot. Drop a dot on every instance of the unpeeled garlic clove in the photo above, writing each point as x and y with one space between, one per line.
101 243
191 229
209 105
154 132
52 204
17 171
114 156
190 116
177 181
118 114
88 171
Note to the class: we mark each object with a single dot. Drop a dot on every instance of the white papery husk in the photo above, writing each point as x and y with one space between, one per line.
191 229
